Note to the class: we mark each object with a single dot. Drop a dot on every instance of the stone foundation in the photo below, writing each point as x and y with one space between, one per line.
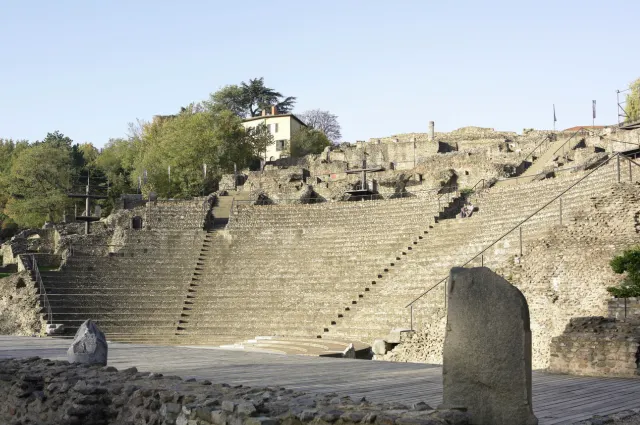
47 392
597 346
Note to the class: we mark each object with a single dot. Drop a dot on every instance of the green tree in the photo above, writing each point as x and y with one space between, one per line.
249 99
629 263
260 138
308 141
58 140
632 106
37 185
231 98
116 163
187 142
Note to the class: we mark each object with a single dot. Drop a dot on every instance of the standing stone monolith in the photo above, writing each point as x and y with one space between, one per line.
89 346
487 349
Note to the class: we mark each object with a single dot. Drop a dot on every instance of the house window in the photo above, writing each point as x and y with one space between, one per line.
275 127
280 144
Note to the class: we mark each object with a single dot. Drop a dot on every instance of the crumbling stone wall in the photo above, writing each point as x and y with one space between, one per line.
42 391
28 241
597 346
19 306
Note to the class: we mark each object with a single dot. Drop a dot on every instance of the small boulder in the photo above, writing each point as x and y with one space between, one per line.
89 346
349 352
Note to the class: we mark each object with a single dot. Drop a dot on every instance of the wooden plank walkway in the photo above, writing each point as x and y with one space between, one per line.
557 399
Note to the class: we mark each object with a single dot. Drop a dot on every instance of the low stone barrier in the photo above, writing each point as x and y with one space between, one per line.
42 391
597 346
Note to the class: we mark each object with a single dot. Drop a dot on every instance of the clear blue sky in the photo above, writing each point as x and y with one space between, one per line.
87 68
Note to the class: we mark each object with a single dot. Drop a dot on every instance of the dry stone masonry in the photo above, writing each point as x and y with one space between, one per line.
487 349
597 346
38 391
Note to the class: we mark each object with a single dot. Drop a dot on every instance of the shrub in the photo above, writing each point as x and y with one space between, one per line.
629 263
467 191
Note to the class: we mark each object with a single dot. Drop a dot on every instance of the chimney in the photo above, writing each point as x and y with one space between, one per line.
274 110
264 112
432 131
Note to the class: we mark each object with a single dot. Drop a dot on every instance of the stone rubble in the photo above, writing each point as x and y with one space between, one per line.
89 346
40 391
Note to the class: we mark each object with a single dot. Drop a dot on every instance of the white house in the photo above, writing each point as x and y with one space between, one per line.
281 126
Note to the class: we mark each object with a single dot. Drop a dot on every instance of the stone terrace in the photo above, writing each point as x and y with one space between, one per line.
291 269
136 292
453 242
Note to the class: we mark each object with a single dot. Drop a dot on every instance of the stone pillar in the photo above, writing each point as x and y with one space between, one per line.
432 130
486 364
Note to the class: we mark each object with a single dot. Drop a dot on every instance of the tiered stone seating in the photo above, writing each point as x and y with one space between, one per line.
453 242
136 292
287 269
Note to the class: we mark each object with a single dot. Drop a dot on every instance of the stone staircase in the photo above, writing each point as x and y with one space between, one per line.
135 291
556 148
452 242
286 269
223 207
192 290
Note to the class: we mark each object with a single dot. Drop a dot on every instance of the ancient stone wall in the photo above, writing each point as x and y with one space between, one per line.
622 308
47 392
19 306
565 273
597 346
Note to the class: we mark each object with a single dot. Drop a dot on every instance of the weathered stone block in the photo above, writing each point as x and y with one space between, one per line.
487 349
89 346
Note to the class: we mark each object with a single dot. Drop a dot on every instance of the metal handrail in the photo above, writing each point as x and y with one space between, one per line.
578 131
546 138
617 155
43 292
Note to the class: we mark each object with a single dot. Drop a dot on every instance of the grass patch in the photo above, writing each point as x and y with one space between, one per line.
48 269
4 274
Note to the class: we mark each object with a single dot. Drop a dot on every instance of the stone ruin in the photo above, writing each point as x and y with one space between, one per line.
487 349
42 391
598 346
411 162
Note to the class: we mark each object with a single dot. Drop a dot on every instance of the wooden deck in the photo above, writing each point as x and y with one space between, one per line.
557 399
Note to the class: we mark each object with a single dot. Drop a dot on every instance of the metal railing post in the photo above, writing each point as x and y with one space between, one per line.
520 240
560 209
482 260
411 320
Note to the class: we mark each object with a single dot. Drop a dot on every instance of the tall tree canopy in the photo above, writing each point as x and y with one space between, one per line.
185 143
323 121
249 99
37 185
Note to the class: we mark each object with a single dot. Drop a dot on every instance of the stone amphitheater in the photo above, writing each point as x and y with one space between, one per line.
309 255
